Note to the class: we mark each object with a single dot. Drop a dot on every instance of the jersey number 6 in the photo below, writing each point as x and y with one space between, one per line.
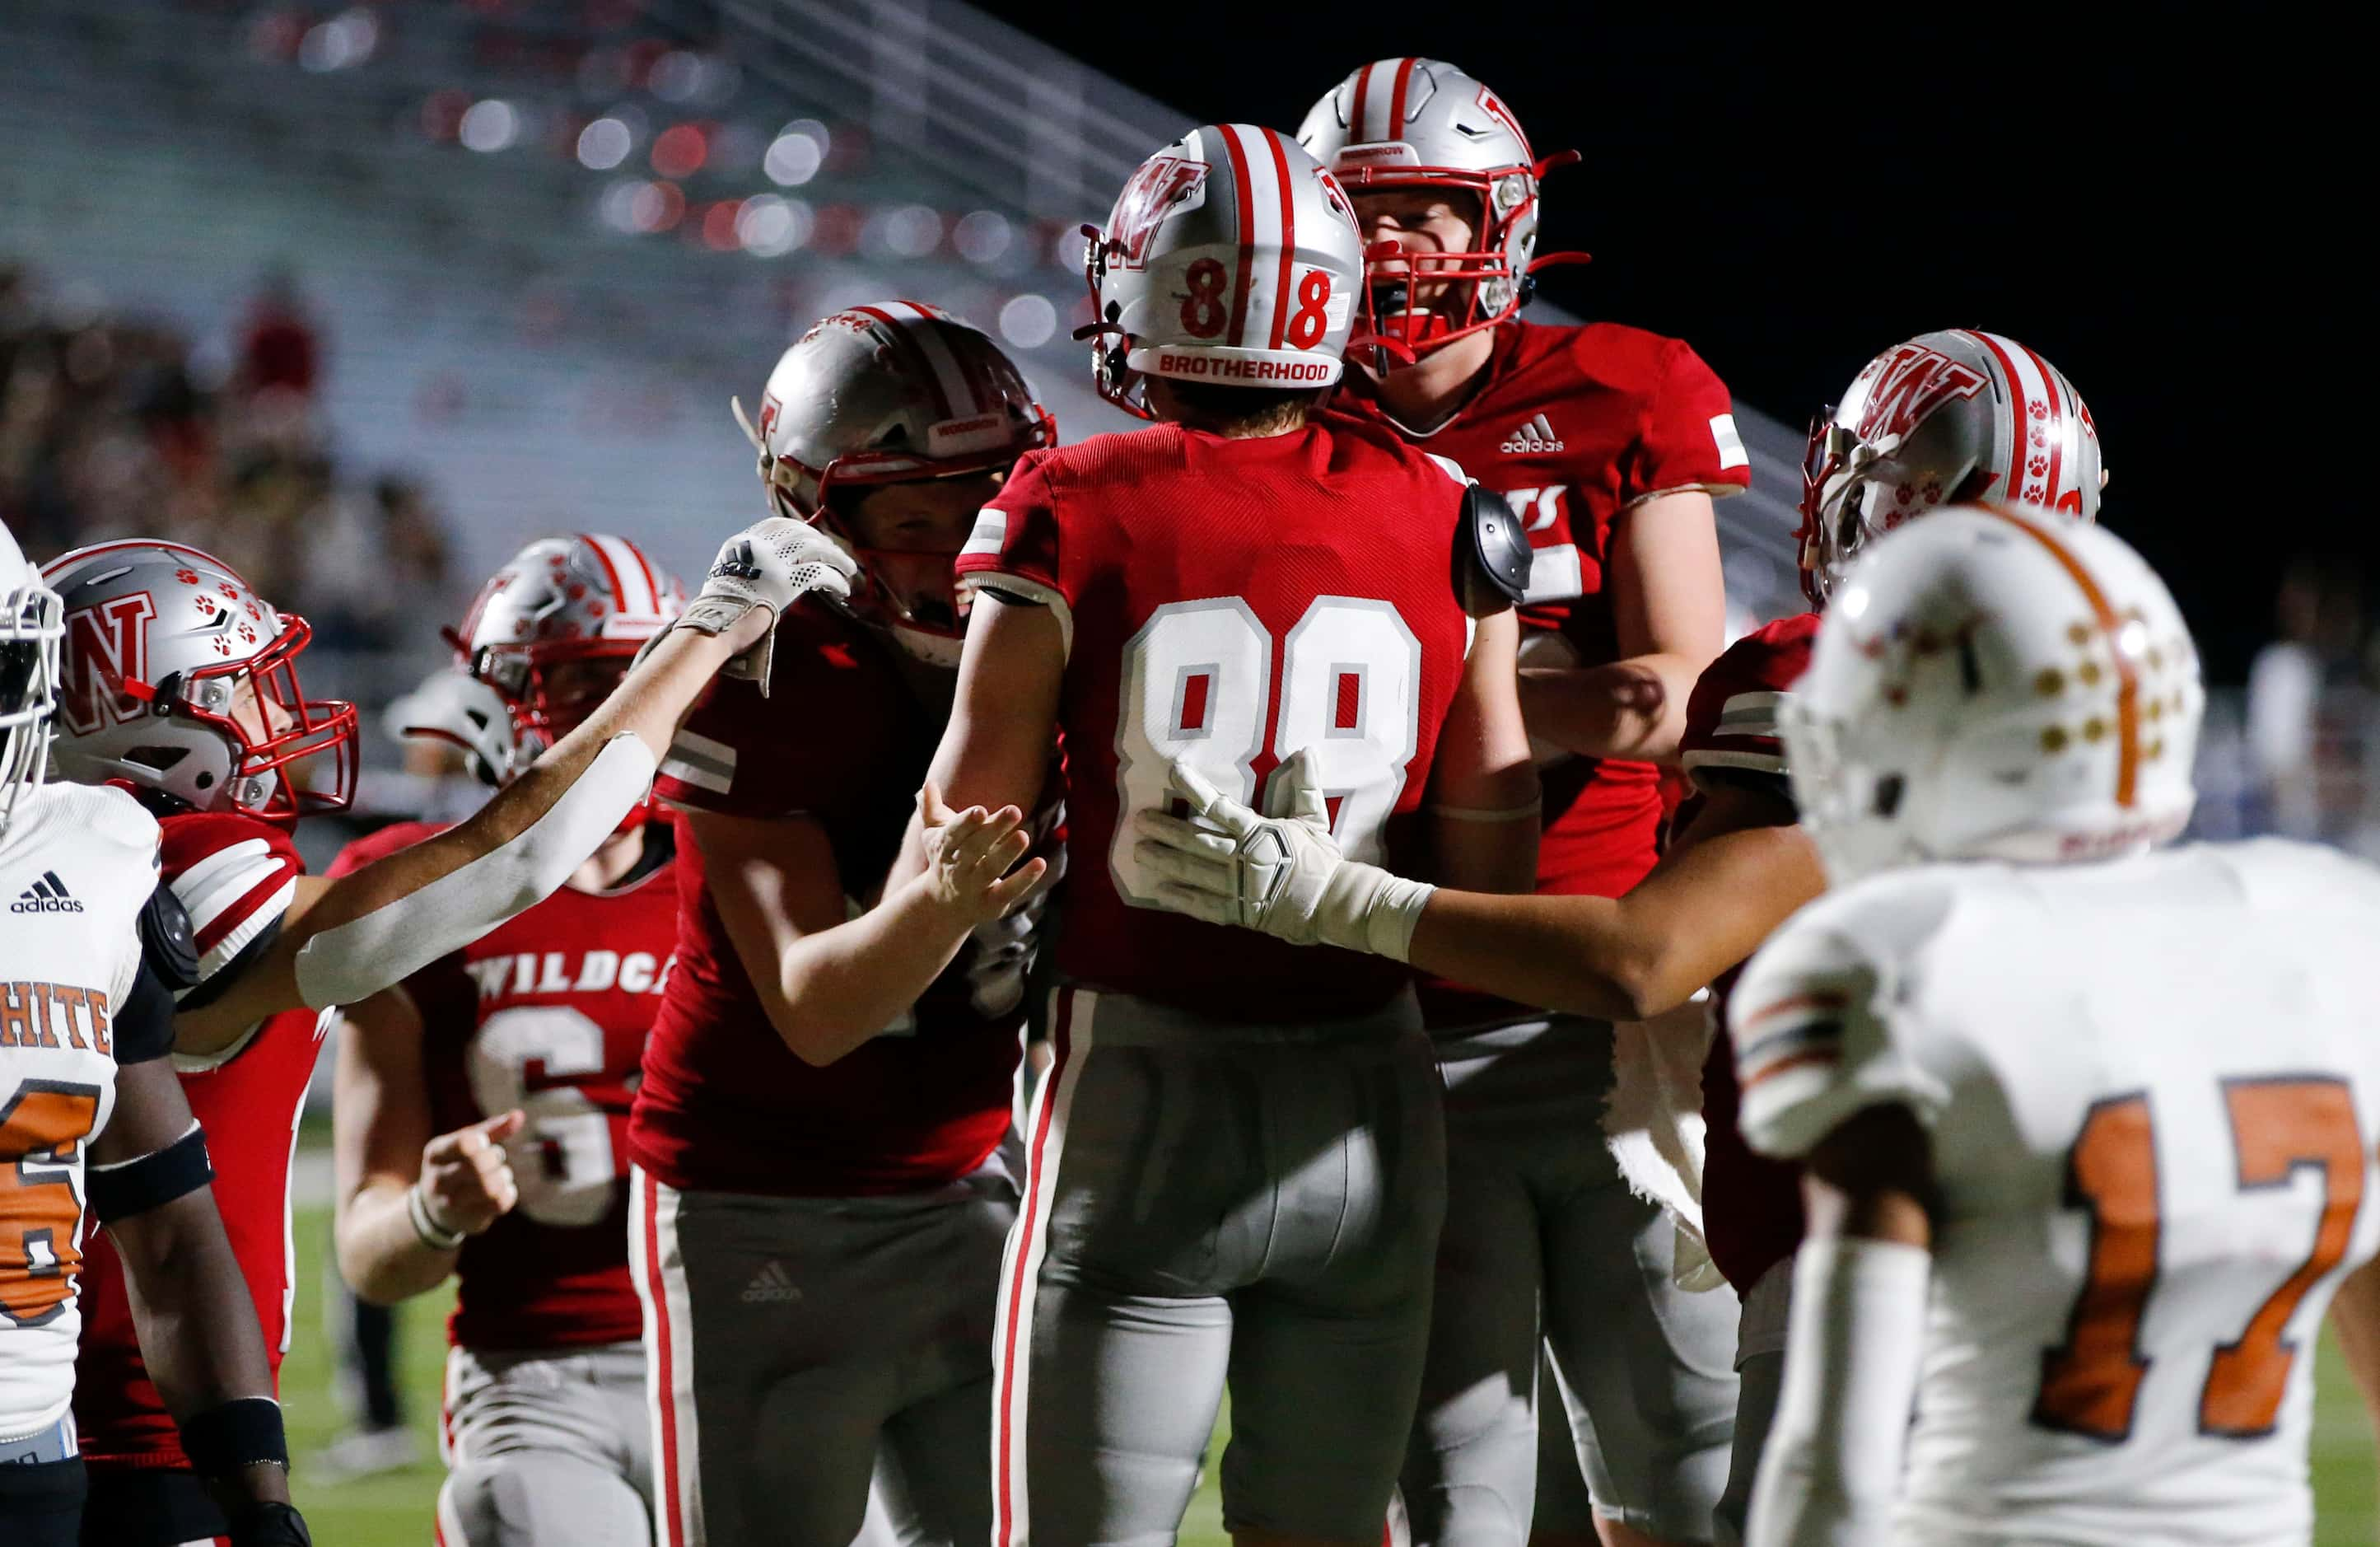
1198 686
38 1130
2091 1382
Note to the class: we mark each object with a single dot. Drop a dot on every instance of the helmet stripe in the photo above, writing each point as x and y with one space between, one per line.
2103 612
1356 132
1245 214
2055 424
2022 399
1397 103
611 570
925 330
907 344
1283 288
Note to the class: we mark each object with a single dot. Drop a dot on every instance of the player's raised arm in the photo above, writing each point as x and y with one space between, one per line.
198 1333
342 941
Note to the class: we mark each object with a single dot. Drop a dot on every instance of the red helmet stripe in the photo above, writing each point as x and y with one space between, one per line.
2103 612
611 570
907 345
2021 402
2055 426
1283 291
1355 131
1397 103
1244 209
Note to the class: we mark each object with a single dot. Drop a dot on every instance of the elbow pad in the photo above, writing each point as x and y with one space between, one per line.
1491 554
357 959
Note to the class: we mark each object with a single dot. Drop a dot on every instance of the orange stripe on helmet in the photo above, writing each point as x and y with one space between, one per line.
2103 612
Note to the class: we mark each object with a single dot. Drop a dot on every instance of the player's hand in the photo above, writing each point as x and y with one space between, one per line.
269 1525
971 859
467 1179
1283 874
766 568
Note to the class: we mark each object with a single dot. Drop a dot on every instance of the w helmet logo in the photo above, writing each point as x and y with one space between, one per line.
1910 383
1162 183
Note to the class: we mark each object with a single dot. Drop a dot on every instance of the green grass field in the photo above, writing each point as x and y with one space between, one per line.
394 1510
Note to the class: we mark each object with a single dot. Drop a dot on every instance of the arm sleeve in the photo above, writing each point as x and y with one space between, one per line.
1689 439
1014 547
1824 1022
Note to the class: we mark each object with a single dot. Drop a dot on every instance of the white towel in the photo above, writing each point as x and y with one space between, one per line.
1652 1125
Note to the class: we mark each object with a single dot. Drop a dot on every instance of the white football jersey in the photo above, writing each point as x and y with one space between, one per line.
2154 1089
76 865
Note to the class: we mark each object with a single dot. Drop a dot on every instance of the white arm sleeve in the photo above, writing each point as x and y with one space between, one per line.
357 959
1831 1469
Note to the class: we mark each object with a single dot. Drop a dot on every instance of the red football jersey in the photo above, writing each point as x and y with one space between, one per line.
548 1012
1751 1205
1573 426
1231 601
236 875
726 1106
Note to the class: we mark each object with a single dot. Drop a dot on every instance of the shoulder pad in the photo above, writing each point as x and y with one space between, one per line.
168 943
1491 554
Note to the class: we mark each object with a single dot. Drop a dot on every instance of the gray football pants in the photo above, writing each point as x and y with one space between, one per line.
546 1447
801 1348
1545 1245
1209 1204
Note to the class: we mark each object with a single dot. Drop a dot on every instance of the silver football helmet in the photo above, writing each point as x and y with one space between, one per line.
1423 124
32 622
180 679
453 706
586 597
1952 416
1232 257
892 393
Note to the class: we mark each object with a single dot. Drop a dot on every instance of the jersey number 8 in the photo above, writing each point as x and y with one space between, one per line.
1198 686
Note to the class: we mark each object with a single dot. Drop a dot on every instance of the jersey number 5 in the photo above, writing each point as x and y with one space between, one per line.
1198 685
2091 1382
39 1210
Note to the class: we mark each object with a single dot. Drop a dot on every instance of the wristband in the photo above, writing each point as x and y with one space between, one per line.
434 1235
244 1432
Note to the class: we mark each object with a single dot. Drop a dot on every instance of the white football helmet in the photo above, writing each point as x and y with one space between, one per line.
32 622
1423 124
1232 257
1994 682
892 393
453 706
1945 418
586 597
181 680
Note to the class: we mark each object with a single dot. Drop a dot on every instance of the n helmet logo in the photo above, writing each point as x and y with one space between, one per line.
107 646
1910 383
1162 185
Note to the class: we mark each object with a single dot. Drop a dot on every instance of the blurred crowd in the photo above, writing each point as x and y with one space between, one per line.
2312 711
115 424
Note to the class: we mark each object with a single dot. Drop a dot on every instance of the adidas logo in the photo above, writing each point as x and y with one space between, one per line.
1536 435
46 895
770 1285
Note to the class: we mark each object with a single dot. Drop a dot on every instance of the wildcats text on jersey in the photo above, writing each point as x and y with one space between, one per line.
527 972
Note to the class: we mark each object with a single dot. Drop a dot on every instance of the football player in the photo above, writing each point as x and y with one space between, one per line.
481 1105
1955 413
1236 1166
1609 443
2088 1124
818 1200
180 683
92 1124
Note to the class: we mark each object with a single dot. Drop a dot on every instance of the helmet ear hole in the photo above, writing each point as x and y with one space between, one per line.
1888 791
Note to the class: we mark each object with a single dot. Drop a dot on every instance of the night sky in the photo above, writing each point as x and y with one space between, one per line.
2143 207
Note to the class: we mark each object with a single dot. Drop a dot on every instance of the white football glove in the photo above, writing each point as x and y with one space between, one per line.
1281 875
770 564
